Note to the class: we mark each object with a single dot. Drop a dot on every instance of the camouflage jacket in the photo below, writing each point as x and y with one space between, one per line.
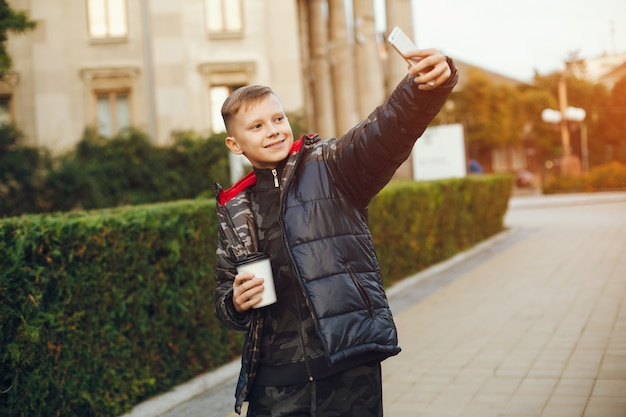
325 189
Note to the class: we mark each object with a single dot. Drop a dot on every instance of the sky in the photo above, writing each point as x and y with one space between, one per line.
517 37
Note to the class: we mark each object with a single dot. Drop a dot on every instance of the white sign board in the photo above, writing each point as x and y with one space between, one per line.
440 153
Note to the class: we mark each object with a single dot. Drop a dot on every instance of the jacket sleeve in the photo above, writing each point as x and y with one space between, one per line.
364 160
225 273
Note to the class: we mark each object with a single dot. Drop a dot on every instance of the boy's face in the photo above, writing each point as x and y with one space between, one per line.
261 132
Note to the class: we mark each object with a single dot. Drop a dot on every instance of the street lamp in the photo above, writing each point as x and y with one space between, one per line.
572 114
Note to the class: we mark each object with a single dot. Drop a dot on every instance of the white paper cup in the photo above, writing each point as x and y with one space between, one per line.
261 267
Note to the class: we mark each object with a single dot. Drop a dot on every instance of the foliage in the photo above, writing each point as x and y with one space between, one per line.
594 99
297 125
497 115
206 160
107 172
11 21
612 125
417 224
475 104
99 311
500 114
22 171
608 177
128 169
536 133
101 172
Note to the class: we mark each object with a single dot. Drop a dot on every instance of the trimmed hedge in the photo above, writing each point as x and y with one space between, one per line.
417 224
102 310
607 177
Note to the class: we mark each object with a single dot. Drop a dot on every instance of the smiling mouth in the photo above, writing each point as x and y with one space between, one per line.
275 144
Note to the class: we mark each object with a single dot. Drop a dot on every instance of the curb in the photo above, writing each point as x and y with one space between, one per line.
180 394
401 286
556 200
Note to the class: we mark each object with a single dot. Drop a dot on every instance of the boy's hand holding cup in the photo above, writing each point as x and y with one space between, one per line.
254 284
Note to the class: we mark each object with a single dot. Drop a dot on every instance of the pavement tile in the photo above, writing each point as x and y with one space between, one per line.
612 388
531 405
568 400
596 409
563 410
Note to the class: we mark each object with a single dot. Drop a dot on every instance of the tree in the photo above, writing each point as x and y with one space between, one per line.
612 123
491 114
22 171
15 22
602 119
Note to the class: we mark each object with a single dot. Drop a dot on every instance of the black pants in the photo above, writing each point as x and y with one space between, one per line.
356 392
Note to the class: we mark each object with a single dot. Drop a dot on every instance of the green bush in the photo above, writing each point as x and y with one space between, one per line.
417 224
128 169
607 177
108 172
22 173
101 310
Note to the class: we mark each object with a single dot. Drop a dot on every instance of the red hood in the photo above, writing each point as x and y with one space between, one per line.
250 179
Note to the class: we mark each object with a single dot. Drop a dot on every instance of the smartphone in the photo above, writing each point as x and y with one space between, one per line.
401 42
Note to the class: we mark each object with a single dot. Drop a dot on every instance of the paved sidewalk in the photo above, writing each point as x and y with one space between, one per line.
539 329
531 323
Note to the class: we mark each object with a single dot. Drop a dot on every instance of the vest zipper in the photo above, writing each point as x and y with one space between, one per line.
297 285
302 343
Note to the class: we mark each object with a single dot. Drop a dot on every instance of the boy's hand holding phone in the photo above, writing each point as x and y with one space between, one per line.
429 66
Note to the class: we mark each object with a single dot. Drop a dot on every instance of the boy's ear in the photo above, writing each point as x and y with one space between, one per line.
232 144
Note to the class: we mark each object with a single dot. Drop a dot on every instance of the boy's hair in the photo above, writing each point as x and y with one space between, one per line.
244 96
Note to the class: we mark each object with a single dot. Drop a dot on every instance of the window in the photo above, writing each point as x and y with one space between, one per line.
109 98
112 111
223 78
107 19
218 94
223 17
239 165
5 109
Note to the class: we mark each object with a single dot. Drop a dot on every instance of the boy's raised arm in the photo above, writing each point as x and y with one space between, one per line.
365 159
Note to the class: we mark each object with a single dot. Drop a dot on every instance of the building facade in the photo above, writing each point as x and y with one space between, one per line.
606 69
163 66
158 65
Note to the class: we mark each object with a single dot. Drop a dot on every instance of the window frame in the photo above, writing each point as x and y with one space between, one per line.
98 80
224 32
107 37
215 109
113 94
225 74
9 100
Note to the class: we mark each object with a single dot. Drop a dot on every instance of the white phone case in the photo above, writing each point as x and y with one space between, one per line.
401 42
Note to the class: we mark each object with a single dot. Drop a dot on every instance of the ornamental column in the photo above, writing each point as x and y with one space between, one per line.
369 72
398 14
343 69
320 71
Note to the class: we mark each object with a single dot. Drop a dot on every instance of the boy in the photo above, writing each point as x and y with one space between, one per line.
317 350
